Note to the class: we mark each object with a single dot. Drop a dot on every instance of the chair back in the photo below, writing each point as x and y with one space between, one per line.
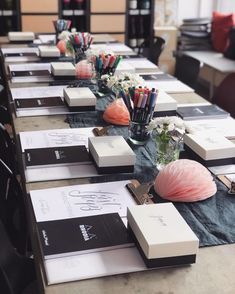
224 95
12 208
7 149
16 271
152 51
187 70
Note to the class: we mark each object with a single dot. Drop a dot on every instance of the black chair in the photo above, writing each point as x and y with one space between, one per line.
224 95
17 272
7 149
4 115
152 51
187 70
12 209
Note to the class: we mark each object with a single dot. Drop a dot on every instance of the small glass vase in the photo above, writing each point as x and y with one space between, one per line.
166 152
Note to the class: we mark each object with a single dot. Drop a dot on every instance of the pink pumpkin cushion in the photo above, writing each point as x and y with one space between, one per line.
185 181
116 113
221 25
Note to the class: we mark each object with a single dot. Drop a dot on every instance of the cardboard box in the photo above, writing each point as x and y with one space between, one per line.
111 154
162 235
21 36
63 69
49 51
79 99
211 148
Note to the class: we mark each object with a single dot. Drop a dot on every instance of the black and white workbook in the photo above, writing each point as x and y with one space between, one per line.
81 235
161 76
202 112
30 72
56 156
40 102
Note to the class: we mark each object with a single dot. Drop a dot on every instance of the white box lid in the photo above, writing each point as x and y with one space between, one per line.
165 102
21 36
161 231
49 51
79 97
111 151
210 145
63 69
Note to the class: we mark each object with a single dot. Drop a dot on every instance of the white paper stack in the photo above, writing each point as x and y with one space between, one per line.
165 102
22 54
141 65
169 86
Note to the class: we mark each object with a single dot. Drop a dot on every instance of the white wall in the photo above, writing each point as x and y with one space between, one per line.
194 8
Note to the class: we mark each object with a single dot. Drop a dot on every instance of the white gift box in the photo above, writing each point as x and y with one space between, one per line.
63 69
49 51
211 148
162 235
111 154
79 99
21 36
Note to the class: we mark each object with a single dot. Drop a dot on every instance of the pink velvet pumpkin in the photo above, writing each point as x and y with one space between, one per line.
185 181
116 113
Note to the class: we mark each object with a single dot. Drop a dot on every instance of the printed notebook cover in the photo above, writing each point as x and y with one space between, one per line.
30 73
22 54
82 235
53 156
200 112
41 102
158 77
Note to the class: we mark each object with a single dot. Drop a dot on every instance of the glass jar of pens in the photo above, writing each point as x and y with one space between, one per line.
141 103
105 64
61 25
77 44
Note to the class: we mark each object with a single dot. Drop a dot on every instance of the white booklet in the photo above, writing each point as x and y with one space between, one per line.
225 126
81 200
116 48
21 54
93 265
47 38
55 138
170 86
165 102
60 173
141 65
30 72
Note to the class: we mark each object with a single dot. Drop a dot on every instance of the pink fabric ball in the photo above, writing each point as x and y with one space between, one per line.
185 181
61 45
84 70
116 113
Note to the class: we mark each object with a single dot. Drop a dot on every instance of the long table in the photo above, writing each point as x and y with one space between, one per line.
215 61
213 272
